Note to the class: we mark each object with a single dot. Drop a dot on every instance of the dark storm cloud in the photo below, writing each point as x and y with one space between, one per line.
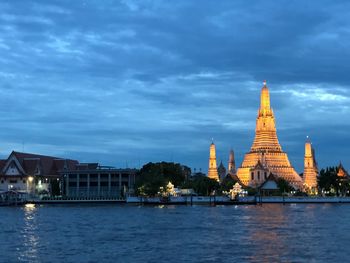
126 82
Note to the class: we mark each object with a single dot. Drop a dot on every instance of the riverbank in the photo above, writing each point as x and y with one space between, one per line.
188 200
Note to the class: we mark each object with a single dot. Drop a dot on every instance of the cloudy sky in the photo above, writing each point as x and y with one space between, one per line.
127 82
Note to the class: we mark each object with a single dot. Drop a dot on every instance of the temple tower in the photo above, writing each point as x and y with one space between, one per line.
341 171
231 163
221 172
212 171
266 148
310 168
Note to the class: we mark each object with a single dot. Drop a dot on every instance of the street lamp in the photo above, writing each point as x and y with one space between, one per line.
30 184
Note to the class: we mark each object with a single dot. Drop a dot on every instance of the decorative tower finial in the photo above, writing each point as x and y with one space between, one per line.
264 82
265 100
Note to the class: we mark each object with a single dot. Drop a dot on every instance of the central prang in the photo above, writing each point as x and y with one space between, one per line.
266 155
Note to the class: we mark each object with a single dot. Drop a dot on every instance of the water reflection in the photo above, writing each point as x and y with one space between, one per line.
268 233
29 234
268 230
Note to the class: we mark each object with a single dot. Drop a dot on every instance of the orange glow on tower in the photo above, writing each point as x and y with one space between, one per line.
213 171
310 167
266 148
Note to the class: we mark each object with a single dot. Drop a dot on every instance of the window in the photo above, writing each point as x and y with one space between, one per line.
104 176
104 184
93 176
265 175
2 181
93 183
72 184
13 181
252 175
24 181
259 175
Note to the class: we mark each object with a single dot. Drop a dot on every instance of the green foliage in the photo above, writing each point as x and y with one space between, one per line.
284 186
55 187
202 185
251 191
328 181
152 176
227 184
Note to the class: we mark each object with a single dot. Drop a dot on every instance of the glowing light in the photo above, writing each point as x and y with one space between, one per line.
30 179
266 150
310 169
30 206
212 171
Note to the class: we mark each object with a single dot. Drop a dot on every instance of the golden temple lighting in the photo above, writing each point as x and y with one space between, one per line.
266 154
213 171
310 168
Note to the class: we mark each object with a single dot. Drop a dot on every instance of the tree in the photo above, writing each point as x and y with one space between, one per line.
227 183
284 186
331 183
152 176
202 185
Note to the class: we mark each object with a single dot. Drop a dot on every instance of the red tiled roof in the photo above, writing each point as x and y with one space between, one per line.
48 165
2 164
30 165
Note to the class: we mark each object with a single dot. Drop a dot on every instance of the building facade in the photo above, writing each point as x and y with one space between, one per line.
90 180
32 173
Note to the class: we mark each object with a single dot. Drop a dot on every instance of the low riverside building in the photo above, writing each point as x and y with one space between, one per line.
32 173
90 180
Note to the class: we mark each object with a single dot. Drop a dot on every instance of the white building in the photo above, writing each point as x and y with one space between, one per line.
31 173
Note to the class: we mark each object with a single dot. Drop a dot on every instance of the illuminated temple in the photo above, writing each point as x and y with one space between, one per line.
310 168
212 171
266 155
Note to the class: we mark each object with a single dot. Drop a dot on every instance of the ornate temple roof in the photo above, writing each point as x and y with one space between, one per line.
266 148
341 171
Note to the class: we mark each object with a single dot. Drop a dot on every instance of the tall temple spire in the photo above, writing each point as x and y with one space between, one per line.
310 167
221 171
231 163
266 149
212 171
265 131
265 99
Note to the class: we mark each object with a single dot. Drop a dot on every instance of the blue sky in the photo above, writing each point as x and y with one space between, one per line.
127 82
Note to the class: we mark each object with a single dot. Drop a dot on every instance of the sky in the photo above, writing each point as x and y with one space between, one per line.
127 82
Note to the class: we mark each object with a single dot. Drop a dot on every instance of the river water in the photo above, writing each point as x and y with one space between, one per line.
122 233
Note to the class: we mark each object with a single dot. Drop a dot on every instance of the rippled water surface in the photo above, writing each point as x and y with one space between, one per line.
120 233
